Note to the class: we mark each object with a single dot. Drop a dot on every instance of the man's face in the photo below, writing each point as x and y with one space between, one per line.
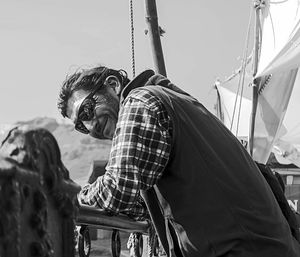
104 117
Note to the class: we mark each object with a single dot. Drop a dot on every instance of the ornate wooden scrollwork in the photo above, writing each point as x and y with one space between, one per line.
84 242
37 197
135 245
38 204
115 243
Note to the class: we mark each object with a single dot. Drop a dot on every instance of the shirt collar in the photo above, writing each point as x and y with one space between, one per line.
138 81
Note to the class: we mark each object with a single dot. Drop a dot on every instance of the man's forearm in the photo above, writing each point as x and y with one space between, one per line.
94 195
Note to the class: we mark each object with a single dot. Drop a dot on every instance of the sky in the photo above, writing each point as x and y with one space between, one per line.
42 41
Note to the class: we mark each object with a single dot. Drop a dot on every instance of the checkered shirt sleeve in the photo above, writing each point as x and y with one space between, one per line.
140 151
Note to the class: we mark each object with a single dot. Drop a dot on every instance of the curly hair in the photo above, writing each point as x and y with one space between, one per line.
85 79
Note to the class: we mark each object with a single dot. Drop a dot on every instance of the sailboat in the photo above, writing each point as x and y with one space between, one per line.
260 102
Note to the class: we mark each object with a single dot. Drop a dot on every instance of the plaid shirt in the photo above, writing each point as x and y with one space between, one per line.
140 151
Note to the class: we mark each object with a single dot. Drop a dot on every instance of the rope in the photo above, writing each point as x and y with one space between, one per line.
238 71
242 77
151 241
244 70
132 38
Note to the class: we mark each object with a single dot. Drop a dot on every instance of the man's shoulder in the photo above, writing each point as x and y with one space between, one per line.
143 95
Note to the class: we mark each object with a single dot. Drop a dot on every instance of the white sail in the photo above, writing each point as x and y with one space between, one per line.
235 100
272 133
287 146
280 46
276 125
238 126
273 101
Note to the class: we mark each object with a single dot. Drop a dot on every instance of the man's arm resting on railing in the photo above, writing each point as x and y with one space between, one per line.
140 151
99 194
97 218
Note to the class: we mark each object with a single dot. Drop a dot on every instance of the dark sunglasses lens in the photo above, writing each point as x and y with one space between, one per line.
81 128
86 111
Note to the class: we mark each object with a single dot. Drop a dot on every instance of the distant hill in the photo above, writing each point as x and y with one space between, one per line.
77 150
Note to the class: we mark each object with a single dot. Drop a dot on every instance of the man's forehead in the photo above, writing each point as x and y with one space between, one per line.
74 103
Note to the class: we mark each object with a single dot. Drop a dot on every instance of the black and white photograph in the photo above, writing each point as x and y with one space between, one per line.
152 128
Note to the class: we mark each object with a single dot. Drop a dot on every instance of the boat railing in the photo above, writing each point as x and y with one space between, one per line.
92 217
39 212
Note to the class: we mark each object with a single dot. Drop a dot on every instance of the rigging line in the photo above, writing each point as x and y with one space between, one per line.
235 102
259 25
296 27
278 2
259 37
243 72
132 38
237 72
273 30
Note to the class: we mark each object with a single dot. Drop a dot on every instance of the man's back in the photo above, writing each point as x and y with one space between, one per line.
215 200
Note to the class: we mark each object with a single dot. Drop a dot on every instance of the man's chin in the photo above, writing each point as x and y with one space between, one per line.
96 136
102 137
107 132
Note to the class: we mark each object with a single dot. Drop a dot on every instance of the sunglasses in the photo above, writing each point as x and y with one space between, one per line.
87 107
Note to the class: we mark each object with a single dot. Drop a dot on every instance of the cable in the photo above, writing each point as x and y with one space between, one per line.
242 77
132 38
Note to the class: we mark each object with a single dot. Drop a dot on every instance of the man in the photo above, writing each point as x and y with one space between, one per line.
205 195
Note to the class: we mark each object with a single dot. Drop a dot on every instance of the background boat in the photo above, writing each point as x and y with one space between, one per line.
260 102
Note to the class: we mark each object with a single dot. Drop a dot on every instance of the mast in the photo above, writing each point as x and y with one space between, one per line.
257 6
154 34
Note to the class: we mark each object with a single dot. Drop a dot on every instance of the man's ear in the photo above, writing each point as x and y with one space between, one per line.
114 83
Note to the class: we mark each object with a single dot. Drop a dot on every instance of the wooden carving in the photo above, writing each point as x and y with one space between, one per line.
37 197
